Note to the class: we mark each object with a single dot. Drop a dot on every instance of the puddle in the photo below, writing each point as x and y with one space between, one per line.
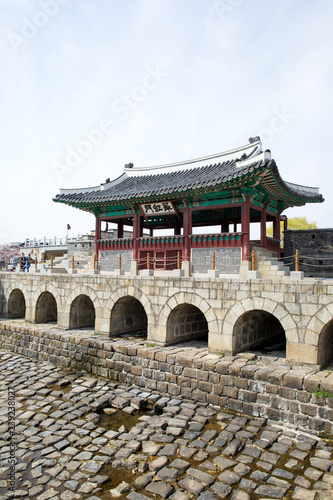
115 420
61 388
128 336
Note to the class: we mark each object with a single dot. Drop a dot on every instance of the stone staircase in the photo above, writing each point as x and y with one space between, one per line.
268 264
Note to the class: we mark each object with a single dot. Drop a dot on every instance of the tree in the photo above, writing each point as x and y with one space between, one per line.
294 223
8 252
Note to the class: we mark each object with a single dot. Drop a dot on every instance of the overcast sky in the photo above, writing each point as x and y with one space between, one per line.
89 85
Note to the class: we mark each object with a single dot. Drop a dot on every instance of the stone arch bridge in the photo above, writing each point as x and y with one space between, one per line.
233 315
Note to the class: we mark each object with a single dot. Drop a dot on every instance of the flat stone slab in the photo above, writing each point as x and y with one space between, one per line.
191 485
159 488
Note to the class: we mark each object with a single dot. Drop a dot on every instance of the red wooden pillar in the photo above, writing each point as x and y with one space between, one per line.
246 228
187 228
225 226
277 231
263 228
136 235
120 229
97 236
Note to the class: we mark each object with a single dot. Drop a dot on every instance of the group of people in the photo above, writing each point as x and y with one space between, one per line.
25 263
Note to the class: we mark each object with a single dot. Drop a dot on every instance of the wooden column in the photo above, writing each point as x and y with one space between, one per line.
246 228
225 226
151 232
177 230
136 234
263 228
277 230
187 228
97 236
120 229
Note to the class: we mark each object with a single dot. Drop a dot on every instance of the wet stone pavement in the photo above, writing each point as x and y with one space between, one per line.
80 437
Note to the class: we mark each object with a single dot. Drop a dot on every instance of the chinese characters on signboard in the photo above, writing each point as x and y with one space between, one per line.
158 208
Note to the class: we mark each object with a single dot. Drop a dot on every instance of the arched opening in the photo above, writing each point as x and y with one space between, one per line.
186 322
259 329
82 312
128 316
16 304
46 308
325 348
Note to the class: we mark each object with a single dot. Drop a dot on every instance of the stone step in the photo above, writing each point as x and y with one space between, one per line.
267 265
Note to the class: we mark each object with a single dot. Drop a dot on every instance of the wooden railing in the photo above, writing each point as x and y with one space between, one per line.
174 242
272 244
219 240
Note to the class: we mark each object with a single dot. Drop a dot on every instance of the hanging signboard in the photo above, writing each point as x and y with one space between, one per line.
158 208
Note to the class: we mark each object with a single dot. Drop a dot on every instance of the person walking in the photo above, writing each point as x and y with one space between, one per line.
23 262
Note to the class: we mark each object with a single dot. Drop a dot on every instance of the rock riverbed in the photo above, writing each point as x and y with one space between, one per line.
81 437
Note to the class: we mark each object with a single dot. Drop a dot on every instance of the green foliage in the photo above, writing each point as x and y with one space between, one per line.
149 345
294 223
320 392
221 353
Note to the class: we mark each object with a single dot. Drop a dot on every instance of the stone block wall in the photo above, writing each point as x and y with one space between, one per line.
227 260
303 308
258 386
315 249
83 251
109 260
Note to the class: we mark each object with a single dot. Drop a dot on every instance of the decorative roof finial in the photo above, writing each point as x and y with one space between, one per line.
254 139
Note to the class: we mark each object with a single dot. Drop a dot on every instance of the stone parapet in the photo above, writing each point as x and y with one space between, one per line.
261 386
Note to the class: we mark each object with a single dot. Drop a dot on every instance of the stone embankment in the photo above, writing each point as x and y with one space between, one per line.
256 385
67 449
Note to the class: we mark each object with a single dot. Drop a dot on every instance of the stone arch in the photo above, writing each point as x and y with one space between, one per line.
16 304
14 284
79 298
120 299
255 327
81 290
178 307
128 316
82 312
319 334
186 322
46 287
47 302
46 308
268 308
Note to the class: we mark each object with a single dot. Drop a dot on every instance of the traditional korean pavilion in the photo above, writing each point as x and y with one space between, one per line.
226 191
